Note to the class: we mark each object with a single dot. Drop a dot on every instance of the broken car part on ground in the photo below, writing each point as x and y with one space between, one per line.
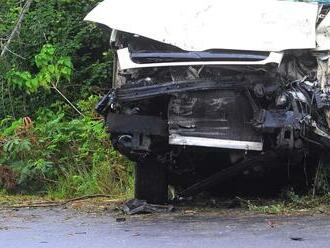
243 85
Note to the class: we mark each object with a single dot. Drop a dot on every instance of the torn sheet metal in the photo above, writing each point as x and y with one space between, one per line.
323 34
194 25
125 61
323 71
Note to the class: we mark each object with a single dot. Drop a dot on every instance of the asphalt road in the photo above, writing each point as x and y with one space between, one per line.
69 229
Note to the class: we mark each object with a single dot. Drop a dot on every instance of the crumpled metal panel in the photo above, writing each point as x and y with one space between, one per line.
323 34
194 25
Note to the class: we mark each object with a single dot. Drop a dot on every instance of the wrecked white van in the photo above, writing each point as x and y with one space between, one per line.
205 90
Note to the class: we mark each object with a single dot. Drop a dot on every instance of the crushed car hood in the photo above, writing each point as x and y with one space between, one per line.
194 25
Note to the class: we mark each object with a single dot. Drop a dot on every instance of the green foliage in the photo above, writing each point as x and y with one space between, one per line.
8 14
17 148
68 156
11 125
57 152
61 24
50 72
289 203
322 177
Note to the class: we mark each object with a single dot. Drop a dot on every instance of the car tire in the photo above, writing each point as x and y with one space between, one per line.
151 182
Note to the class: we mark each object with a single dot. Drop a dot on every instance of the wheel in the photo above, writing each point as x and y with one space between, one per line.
151 182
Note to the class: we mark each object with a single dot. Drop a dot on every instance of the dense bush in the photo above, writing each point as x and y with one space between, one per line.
60 23
50 80
68 156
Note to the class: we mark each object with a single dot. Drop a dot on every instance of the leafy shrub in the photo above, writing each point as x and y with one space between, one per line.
68 156
51 71
60 23
51 149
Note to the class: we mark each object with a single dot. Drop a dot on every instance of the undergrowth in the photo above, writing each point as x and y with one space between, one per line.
61 156
61 149
289 203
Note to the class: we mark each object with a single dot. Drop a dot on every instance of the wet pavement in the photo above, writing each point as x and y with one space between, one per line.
68 228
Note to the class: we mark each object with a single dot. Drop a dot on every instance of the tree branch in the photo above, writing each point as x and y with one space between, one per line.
66 99
16 29
47 204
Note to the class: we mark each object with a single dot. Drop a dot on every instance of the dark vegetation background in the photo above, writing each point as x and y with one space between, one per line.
46 146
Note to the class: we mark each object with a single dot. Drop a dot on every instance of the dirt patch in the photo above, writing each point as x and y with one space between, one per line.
211 207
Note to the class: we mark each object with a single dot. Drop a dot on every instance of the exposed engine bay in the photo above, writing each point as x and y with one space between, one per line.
171 105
